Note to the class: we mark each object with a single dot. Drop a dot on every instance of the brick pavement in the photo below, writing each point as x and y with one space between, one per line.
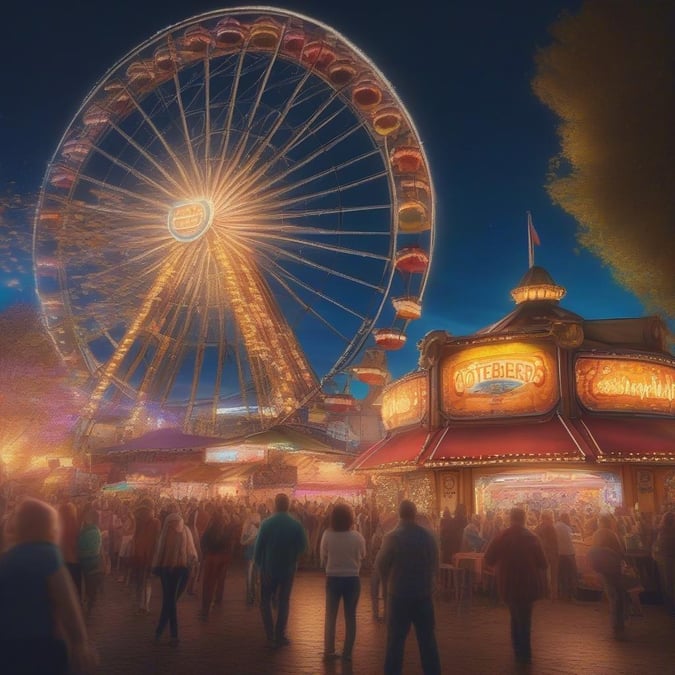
567 638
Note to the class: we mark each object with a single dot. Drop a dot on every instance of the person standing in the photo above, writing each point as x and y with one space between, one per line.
520 563
549 542
408 564
249 533
216 547
281 541
567 562
174 556
342 550
90 556
605 557
144 544
41 625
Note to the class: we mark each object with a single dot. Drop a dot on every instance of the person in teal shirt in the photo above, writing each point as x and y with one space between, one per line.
280 542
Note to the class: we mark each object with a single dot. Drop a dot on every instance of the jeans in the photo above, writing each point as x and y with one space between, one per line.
567 576
401 612
268 587
348 589
521 628
174 580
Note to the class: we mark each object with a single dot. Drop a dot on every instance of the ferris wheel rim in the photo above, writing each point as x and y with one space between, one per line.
359 340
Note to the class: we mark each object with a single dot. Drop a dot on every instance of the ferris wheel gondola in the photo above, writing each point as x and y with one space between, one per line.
229 215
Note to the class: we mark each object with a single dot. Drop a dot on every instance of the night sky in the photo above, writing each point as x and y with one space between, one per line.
464 71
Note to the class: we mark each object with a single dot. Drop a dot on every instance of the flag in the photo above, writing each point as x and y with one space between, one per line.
532 238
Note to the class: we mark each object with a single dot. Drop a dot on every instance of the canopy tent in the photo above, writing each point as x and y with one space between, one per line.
283 438
397 450
518 441
162 440
630 439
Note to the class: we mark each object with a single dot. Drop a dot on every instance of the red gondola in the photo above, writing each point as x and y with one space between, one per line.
412 260
367 95
390 339
230 33
318 54
406 159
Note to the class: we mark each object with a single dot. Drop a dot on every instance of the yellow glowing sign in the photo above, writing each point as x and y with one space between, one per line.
189 220
405 401
625 384
499 380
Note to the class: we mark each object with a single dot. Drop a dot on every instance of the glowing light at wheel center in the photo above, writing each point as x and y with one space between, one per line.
189 220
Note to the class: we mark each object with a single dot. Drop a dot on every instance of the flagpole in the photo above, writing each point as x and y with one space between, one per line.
530 245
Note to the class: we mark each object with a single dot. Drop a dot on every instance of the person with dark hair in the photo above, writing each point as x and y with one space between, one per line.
520 564
174 555
41 625
281 541
90 555
408 562
216 547
342 550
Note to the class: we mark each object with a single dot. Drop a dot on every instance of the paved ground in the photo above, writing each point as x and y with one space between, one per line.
567 638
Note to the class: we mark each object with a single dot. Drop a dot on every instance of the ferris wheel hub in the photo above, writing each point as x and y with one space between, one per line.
189 220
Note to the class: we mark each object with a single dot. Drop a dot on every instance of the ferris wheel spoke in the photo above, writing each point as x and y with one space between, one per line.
270 205
207 112
160 137
278 271
116 189
308 308
250 117
305 243
134 172
263 196
246 180
264 142
227 130
308 263
74 209
290 215
273 179
145 154
183 118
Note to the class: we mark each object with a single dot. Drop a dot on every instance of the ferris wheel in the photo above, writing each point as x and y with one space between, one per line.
240 205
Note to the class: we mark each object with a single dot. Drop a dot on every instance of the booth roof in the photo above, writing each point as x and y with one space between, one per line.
552 439
162 439
638 439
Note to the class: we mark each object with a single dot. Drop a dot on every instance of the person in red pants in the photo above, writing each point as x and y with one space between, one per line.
216 547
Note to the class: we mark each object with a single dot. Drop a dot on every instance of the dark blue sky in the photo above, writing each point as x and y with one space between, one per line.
463 69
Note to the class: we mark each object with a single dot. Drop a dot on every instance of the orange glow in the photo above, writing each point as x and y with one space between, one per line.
500 380
610 384
405 402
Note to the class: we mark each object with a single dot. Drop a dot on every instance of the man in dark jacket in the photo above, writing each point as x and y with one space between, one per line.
520 568
408 563
281 541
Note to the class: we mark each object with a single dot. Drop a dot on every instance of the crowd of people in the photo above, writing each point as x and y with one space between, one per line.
70 548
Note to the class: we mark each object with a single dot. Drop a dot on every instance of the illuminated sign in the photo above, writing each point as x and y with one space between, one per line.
499 380
189 220
405 401
225 455
615 384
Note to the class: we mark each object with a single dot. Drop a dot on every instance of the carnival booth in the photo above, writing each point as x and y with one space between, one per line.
544 409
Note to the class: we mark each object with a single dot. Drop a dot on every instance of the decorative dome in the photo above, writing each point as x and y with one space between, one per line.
537 285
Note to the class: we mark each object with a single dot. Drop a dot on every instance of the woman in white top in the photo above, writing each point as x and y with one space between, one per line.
342 551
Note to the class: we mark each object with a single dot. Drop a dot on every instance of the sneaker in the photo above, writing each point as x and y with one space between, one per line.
283 641
331 656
